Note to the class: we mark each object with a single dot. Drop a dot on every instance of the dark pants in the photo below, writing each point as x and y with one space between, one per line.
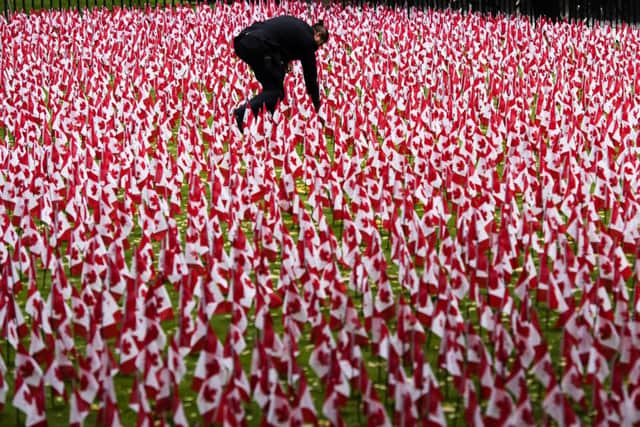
269 69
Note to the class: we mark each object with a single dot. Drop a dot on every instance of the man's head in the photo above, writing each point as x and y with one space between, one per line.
320 33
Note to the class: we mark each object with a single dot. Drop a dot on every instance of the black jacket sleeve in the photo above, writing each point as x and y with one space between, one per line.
310 71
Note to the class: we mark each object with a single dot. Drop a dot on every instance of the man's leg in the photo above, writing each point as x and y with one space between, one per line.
267 99
251 51
270 73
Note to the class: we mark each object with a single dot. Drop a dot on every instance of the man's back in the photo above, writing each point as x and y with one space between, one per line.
291 36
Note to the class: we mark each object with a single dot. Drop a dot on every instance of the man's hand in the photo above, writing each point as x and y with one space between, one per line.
321 117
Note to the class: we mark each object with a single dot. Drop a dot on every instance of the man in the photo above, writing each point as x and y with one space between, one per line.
268 47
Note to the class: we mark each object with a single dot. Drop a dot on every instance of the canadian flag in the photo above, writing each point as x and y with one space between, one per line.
556 405
29 391
324 346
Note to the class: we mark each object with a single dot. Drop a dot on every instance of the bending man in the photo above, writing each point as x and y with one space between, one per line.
268 47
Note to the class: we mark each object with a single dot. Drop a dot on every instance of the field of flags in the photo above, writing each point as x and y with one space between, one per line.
456 242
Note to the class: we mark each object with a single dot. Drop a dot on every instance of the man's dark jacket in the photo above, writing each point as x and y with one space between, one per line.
293 39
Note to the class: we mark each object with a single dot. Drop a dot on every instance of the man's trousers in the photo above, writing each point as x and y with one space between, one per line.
269 68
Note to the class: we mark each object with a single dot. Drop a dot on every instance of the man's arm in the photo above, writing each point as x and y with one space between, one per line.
311 78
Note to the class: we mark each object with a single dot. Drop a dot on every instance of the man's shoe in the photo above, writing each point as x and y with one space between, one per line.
238 113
